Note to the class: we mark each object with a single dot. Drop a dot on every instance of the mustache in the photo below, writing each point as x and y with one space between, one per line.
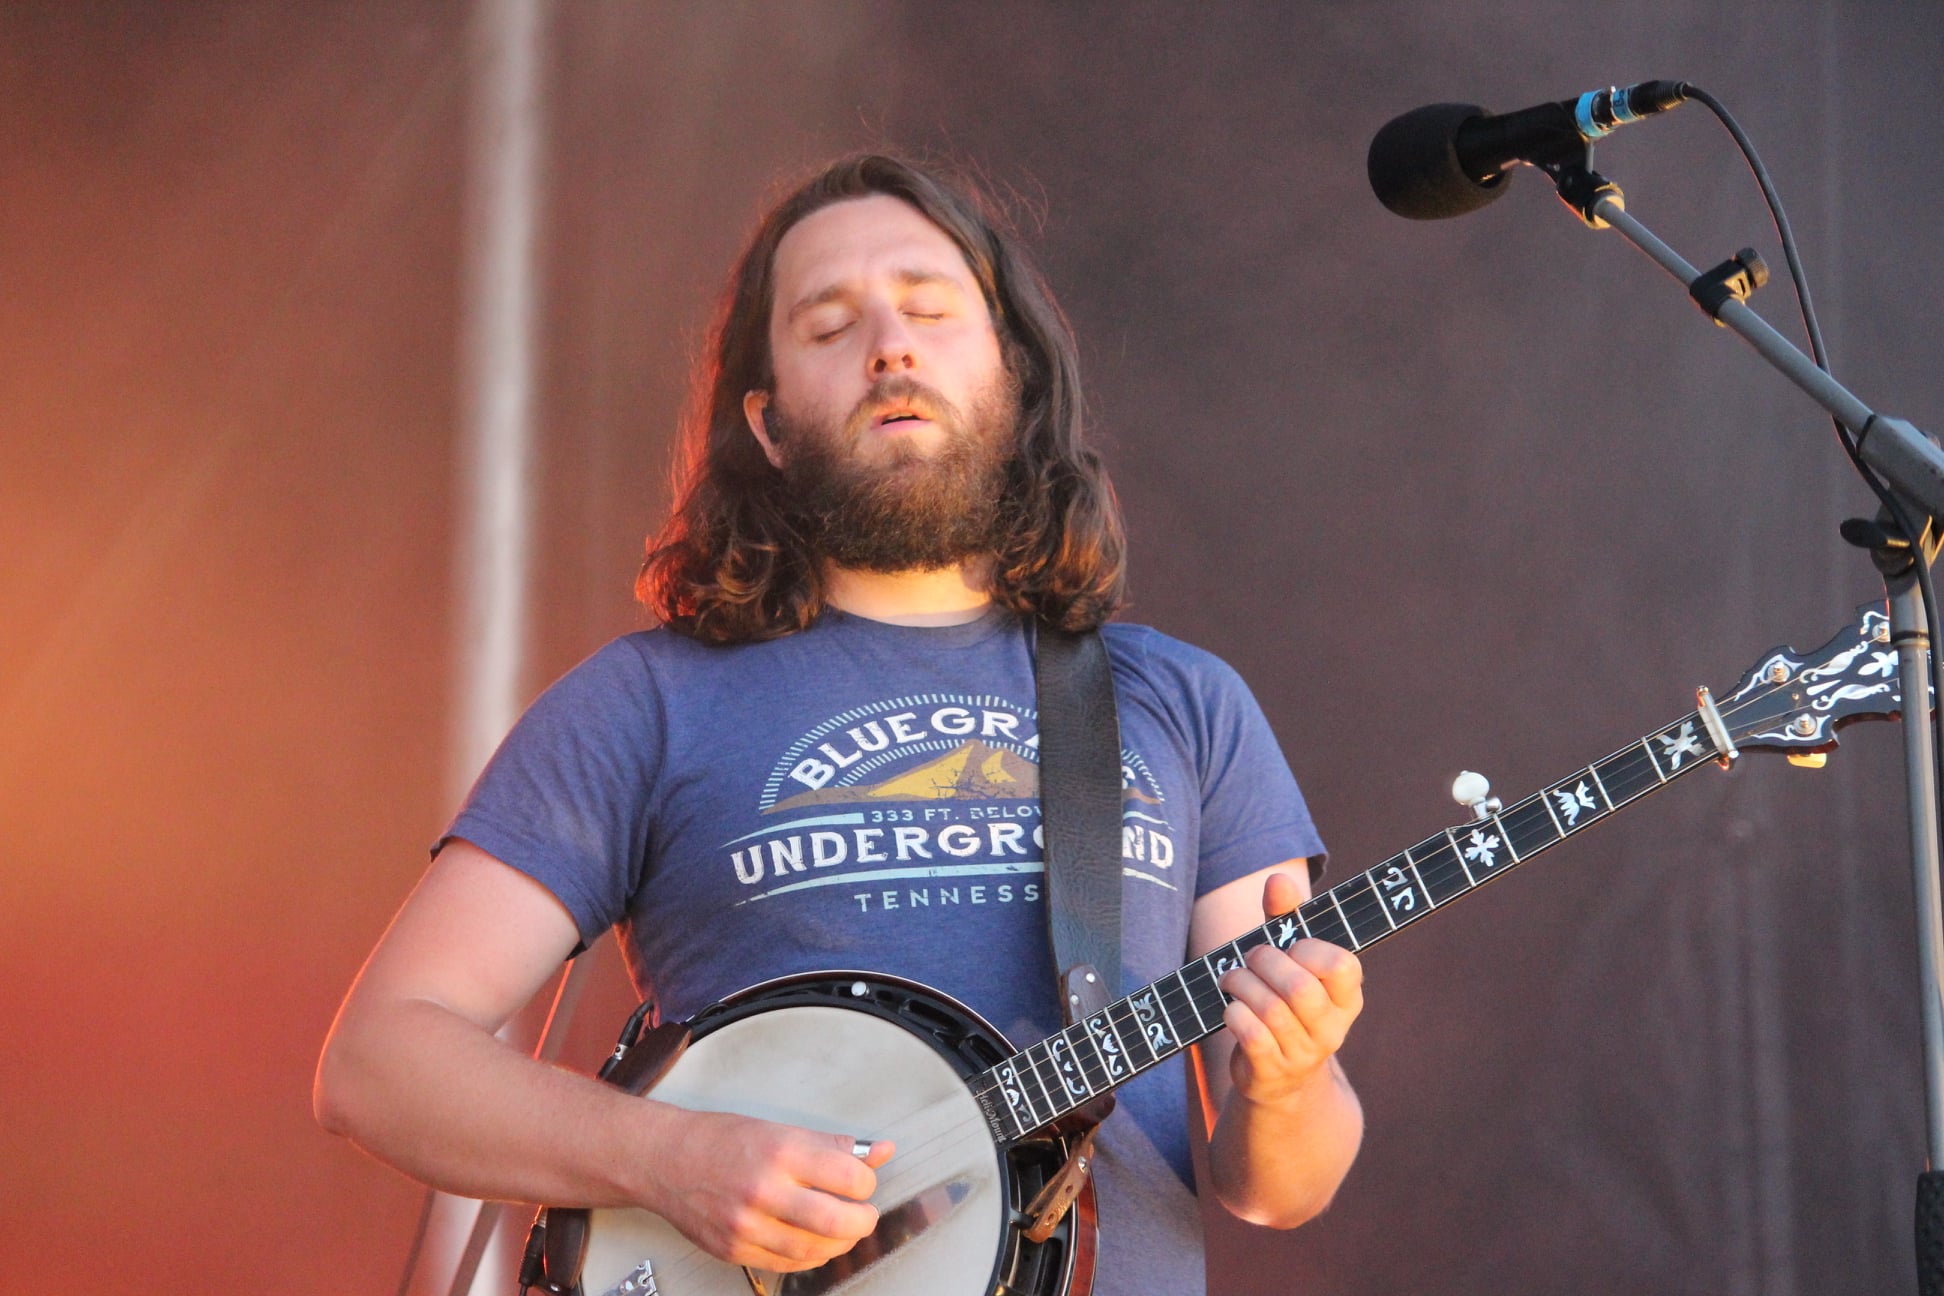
900 392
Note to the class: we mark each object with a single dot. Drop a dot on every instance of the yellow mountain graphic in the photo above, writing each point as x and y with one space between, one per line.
973 772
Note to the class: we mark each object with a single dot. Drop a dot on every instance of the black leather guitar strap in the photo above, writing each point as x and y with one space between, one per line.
1080 807
1080 811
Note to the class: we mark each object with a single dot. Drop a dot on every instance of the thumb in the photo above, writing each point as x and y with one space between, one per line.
1280 894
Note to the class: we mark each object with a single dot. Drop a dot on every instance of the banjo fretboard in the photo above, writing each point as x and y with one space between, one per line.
1065 1071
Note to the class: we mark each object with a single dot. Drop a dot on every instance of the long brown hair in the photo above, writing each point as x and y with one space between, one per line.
730 565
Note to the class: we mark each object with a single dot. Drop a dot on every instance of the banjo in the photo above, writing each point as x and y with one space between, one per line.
982 1127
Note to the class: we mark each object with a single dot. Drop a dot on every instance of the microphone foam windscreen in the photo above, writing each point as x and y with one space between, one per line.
1414 166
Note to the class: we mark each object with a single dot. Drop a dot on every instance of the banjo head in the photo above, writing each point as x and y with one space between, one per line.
870 1057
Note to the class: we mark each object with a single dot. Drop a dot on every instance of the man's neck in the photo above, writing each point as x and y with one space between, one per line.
942 597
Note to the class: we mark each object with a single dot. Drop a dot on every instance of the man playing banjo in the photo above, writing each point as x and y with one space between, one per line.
826 757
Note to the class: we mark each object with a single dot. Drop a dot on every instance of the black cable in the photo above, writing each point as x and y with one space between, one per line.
1894 506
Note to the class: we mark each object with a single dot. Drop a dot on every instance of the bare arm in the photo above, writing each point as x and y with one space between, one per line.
1287 1123
413 1072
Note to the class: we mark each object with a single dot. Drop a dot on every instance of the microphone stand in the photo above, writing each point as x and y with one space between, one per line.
1914 467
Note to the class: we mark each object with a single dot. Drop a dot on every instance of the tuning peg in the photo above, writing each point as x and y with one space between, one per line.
1474 790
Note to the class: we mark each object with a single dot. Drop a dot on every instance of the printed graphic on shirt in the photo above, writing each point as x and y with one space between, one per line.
926 799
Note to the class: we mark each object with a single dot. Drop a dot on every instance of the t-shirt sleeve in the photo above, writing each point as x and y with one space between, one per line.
1253 815
566 799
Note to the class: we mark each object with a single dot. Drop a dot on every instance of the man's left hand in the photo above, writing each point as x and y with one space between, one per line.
1291 1008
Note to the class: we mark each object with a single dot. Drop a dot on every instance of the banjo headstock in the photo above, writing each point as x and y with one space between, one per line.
1795 702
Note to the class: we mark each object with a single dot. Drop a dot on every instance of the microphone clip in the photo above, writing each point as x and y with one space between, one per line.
1583 189
1735 279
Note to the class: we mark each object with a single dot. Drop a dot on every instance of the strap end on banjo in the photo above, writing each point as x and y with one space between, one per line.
1051 1203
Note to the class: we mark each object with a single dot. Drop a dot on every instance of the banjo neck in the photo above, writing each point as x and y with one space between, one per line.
1789 701
1068 1069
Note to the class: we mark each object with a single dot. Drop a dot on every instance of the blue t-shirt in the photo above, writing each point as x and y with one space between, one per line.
863 795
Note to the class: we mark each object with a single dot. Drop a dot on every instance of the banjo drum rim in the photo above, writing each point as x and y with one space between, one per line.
1076 1233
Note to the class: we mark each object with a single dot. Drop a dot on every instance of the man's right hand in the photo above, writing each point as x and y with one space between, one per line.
414 1073
756 1193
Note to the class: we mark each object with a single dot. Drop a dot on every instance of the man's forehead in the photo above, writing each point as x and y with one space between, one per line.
840 245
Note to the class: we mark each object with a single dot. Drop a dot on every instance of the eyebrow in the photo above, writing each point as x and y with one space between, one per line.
904 278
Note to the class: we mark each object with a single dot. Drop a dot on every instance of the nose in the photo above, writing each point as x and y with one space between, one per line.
893 350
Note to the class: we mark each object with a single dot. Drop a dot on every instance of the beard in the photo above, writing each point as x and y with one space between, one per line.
910 510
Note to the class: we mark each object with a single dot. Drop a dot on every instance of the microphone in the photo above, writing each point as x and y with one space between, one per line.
1448 159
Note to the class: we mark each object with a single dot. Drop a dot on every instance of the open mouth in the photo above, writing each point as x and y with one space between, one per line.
897 416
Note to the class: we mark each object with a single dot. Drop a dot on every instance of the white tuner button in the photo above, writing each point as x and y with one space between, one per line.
1475 790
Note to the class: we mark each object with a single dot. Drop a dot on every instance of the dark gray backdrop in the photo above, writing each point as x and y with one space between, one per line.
1482 494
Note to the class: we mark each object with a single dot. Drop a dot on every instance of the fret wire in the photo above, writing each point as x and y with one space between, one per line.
1343 918
1106 1017
1167 1018
1436 855
1627 770
1080 1056
1065 1077
1382 907
1600 783
1545 799
1025 1098
1208 962
1411 864
1599 786
1196 995
1294 920
1053 1108
1261 937
1505 836
1568 794
1041 1111
1327 921
1047 1068
1205 986
1215 974
1179 991
1363 903
1634 772
1533 817
1360 898
1100 1038
1201 1023
1459 852
1080 1028
1410 887
1133 1019
1019 1120
1646 745
1175 998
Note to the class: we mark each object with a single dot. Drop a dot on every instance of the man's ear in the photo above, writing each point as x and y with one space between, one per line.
755 408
